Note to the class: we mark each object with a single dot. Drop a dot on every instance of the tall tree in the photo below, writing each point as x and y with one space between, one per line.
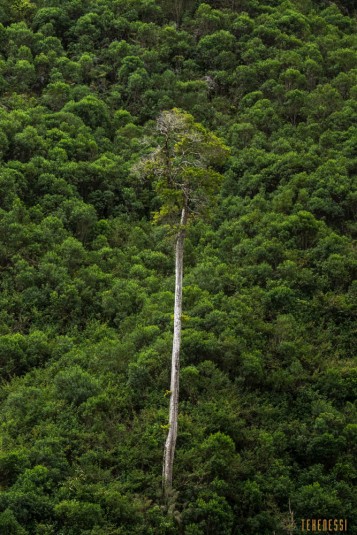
183 168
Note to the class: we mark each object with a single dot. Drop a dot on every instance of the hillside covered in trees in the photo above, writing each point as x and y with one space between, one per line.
268 382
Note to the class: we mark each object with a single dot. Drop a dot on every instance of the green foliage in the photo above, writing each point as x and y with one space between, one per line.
9 524
268 387
75 385
182 166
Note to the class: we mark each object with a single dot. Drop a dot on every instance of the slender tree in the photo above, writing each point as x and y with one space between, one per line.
183 168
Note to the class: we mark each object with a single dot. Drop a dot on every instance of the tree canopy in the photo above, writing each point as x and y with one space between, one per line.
182 166
268 377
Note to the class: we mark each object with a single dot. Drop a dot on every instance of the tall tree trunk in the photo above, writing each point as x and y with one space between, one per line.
170 444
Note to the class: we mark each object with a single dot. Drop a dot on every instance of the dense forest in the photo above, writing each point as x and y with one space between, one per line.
267 421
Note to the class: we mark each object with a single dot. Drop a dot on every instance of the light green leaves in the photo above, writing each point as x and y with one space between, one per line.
184 166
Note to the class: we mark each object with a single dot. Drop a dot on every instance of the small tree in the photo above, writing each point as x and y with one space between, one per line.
182 168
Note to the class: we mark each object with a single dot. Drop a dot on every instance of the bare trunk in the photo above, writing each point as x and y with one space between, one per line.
170 444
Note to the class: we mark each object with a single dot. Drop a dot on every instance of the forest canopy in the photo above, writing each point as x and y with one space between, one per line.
267 416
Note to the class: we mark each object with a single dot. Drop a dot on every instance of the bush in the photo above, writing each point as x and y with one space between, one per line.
75 385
